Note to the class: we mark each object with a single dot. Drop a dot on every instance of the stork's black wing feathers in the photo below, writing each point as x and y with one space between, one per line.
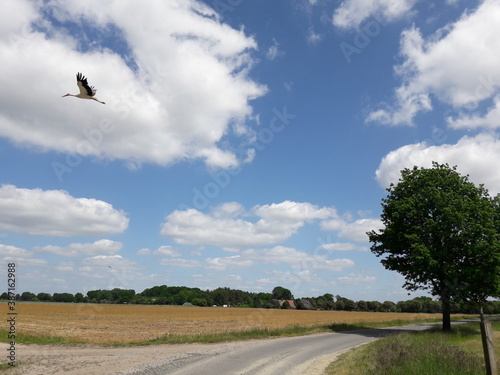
90 90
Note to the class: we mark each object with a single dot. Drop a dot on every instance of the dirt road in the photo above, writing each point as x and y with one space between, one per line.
297 355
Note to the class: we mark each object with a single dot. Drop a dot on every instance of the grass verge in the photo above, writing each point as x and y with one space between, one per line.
294 330
458 352
40 340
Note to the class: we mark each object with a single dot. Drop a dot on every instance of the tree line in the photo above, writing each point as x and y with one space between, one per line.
181 295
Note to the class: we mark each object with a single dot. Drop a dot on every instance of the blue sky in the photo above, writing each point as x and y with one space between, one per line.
245 144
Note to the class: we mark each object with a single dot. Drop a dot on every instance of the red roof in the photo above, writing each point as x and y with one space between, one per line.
290 301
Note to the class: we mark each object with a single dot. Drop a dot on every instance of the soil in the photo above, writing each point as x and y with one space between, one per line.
102 360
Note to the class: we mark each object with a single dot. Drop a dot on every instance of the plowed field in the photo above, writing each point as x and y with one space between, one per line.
94 323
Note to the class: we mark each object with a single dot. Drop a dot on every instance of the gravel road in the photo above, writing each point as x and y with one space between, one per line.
297 355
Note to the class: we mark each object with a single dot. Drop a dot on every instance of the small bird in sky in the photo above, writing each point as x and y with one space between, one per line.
86 91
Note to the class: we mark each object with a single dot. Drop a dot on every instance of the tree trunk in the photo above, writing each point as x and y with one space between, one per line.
446 314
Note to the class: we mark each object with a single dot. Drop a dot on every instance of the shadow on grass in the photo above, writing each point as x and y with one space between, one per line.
397 327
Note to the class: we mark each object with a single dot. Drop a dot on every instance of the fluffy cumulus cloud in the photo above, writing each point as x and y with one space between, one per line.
351 13
279 255
161 251
476 156
430 70
13 251
350 230
56 213
230 226
100 247
107 266
473 119
174 87
231 262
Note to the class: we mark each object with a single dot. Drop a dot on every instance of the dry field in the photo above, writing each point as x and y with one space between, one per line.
95 323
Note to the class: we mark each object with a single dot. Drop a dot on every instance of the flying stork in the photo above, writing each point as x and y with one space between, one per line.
86 91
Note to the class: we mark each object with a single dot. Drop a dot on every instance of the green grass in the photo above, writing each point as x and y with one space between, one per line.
294 330
418 353
236 336
40 340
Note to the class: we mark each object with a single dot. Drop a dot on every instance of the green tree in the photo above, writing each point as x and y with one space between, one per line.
63 297
389 306
44 297
434 307
414 306
328 297
282 293
27 296
79 298
362 306
349 305
374 306
442 233
402 306
199 302
286 305
340 305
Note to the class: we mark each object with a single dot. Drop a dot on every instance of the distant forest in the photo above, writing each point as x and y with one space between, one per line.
279 298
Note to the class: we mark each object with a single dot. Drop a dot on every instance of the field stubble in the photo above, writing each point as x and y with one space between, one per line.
98 324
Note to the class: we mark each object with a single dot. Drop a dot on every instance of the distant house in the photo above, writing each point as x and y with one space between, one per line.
306 303
291 302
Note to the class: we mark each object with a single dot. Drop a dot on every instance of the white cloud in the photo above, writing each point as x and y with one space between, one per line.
185 87
56 213
289 211
162 251
26 262
236 261
225 225
343 246
277 256
166 251
473 120
281 255
313 37
117 269
65 267
274 51
356 279
182 263
476 156
430 68
355 231
351 13
100 247
13 251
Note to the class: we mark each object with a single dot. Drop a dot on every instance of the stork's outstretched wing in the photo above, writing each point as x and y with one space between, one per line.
83 85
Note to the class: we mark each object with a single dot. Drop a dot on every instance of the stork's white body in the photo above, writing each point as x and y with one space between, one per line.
86 91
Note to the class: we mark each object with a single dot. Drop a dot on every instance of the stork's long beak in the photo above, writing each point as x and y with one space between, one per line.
65 95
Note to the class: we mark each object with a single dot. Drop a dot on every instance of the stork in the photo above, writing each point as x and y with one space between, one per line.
86 91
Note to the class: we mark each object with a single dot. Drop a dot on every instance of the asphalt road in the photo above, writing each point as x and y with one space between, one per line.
307 355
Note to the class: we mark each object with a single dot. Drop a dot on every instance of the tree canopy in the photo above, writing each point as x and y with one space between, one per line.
442 234
282 293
